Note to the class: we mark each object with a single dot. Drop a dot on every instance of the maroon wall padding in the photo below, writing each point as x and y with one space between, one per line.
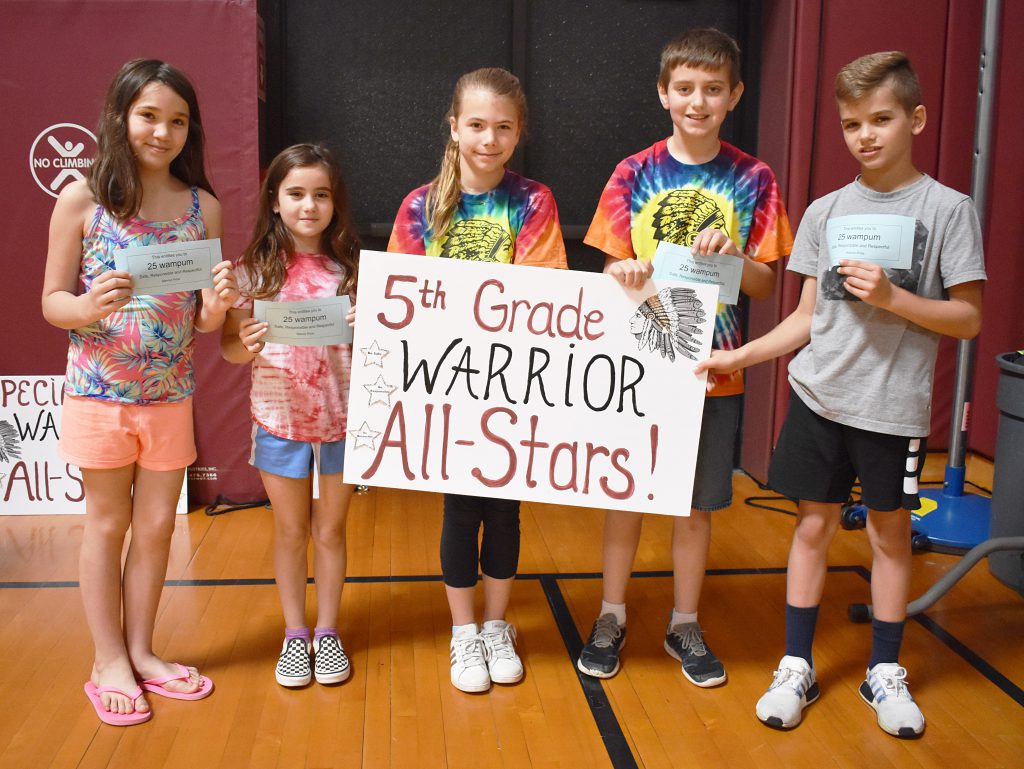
806 42
1003 327
59 57
785 128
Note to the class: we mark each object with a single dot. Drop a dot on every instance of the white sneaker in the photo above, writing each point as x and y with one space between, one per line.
469 666
885 689
503 664
792 690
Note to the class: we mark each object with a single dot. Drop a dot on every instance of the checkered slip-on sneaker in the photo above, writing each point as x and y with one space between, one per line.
331 664
293 668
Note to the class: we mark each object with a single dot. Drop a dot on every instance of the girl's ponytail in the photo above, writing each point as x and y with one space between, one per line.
443 195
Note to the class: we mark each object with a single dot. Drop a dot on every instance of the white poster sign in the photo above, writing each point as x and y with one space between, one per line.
34 479
526 383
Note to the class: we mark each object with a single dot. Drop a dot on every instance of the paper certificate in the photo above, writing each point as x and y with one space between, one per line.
308 323
883 239
169 267
675 262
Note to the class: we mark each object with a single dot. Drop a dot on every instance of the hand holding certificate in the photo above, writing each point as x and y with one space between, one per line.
883 239
308 323
675 262
168 267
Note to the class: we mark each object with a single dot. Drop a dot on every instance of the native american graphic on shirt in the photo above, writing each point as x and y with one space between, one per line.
478 240
683 213
832 282
667 323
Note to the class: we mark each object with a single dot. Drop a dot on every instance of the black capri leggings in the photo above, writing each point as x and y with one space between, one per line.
498 554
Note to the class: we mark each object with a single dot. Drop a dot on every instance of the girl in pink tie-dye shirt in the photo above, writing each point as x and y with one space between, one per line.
304 248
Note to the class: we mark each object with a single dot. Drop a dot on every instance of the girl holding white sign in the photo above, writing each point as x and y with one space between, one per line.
127 414
476 209
304 248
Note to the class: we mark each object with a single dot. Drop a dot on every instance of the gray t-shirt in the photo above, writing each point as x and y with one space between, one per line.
864 366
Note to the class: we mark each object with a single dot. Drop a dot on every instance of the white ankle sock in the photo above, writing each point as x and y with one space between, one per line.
618 609
682 618
464 630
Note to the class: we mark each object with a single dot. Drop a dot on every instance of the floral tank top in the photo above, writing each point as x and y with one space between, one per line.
141 353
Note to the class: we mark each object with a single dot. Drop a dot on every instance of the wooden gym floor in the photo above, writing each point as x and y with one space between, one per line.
220 612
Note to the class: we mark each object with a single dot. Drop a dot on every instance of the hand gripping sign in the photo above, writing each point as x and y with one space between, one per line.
526 383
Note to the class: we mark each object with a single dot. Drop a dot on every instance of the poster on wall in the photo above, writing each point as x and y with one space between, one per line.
34 479
527 383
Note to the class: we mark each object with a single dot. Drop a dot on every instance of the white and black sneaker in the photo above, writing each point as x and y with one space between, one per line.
885 690
331 665
293 668
793 688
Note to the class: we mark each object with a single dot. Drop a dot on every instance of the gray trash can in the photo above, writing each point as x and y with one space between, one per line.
1008 483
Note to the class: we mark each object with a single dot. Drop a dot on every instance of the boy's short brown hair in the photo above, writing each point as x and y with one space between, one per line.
891 68
705 48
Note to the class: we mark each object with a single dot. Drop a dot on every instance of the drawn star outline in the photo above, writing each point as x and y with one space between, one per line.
380 391
374 355
366 437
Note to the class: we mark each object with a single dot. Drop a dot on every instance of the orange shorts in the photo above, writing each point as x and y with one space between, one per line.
102 435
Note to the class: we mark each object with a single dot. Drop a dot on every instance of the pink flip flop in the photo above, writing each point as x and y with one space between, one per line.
93 692
156 685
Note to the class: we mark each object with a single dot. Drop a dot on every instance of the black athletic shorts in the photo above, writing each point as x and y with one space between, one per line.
818 460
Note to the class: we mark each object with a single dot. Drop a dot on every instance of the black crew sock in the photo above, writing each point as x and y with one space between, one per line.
800 623
886 638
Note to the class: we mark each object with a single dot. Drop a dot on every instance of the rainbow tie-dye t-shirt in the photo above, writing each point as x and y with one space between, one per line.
651 197
514 223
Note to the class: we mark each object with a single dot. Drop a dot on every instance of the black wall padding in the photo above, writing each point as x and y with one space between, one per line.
592 77
373 80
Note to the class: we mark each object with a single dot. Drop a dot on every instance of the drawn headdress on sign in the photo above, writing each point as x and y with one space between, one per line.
668 323
9 447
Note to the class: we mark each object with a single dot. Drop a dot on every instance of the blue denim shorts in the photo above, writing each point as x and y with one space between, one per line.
294 459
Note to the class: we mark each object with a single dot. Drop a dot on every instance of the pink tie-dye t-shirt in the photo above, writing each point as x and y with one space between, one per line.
301 393
142 353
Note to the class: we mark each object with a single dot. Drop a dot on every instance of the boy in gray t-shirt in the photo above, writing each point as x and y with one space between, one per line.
860 406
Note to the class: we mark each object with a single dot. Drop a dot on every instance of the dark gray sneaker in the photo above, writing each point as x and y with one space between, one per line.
600 655
700 665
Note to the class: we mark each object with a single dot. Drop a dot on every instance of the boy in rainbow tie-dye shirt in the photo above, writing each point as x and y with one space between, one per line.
694 190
